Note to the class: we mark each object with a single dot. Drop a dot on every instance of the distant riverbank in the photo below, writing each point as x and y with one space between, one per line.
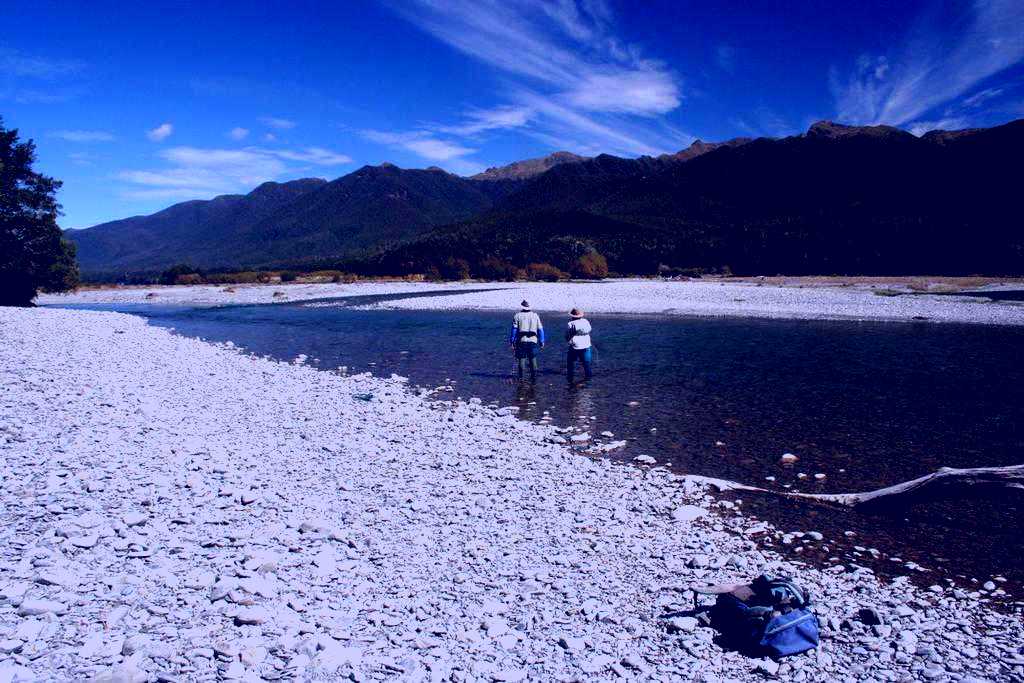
894 299
248 516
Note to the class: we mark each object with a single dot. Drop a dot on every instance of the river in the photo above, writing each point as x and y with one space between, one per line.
866 404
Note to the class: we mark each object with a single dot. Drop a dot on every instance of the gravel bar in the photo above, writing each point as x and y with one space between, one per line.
641 297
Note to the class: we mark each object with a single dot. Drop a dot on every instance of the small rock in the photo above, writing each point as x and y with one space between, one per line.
633 662
572 644
10 646
869 616
35 607
688 513
252 616
683 624
135 518
84 541
137 643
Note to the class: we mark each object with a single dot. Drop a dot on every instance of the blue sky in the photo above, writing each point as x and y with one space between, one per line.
136 106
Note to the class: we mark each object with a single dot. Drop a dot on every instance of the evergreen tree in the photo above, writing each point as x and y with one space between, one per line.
33 254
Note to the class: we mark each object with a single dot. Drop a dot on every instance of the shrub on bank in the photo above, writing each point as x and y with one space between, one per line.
171 275
242 278
591 266
544 272
496 269
289 276
455 269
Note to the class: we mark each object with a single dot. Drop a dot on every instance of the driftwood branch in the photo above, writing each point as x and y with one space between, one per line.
946 483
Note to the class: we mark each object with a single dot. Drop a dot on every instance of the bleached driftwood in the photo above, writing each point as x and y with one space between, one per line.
945 483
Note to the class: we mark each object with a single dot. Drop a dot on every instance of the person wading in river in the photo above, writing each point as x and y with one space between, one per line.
577 333
526 337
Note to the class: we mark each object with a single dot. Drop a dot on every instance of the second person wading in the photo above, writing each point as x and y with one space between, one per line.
577 333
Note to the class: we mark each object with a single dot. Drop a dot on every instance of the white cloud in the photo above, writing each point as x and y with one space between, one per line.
280 124
566 55
644 92
934 67
269 137
83 135
238 133
197 173
161 132
421 143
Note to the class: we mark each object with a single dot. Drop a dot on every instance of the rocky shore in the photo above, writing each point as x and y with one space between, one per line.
174 510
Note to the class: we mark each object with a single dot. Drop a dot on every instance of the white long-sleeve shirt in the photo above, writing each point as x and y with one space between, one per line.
577 333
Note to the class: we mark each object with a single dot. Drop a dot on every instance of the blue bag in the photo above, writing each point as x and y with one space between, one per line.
769 617
790 634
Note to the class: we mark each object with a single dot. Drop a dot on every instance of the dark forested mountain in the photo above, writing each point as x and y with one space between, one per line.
196 231
837 199
302 219
373 206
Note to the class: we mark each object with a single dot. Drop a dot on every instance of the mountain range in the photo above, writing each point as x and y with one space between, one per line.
836 199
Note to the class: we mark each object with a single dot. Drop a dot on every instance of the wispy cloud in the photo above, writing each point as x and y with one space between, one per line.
421 143
83 135
450 155
725 57
161 132
81 158
312 155
564 56
34 79
238 133
980 98
33 96
477 121
199 173
222 86
280 124
919 128
934 67
617 137
764 122
15 63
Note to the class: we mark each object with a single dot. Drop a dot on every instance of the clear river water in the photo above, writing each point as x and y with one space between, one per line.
867 404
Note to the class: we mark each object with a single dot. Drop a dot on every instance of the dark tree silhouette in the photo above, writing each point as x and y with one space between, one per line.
33 255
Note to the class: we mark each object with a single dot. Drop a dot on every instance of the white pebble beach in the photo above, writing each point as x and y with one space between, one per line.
176 510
